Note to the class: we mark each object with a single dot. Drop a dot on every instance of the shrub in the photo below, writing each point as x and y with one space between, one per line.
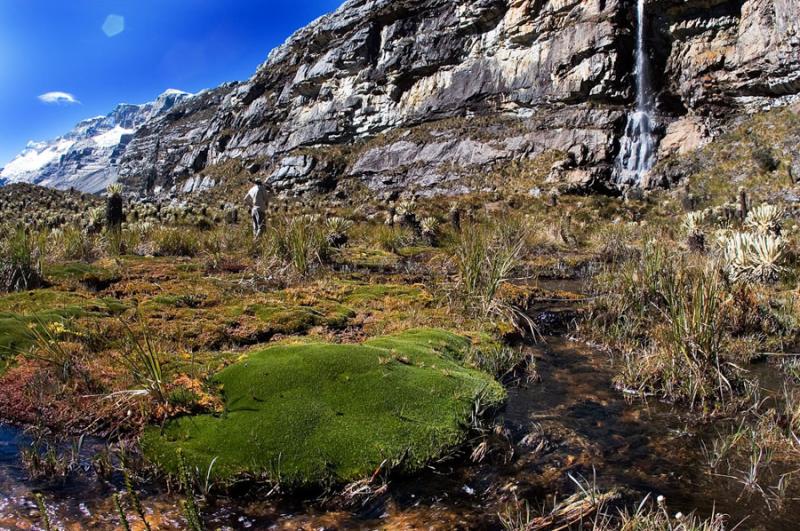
765 219
693 222
695 234
114 210
336 229
754 257
430 230
95 219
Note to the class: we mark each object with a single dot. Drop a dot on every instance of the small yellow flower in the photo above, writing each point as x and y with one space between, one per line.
56 328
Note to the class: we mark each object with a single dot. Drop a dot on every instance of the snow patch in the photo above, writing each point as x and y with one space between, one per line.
35 157
112 138
175 92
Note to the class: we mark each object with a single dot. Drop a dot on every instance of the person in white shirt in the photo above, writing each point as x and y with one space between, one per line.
256 201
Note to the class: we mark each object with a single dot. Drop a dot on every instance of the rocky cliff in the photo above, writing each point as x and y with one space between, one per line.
433 95
430 94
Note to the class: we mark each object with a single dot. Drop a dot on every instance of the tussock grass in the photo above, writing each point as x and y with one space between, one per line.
393 238
176 241
300 242
72 242
667 313
226 245
21 253
655 516
485 257
502 362
143 358
51 344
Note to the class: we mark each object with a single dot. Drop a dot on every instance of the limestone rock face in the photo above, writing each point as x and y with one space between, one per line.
430 95
490 82
683 136
728 54
381 65
173 147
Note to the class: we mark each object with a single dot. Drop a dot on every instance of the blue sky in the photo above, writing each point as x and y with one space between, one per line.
60 46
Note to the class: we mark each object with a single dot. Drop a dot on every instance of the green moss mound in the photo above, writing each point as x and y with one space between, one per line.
20 311
81 273
318 413
299 319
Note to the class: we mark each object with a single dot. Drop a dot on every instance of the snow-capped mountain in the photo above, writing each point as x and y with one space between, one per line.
87 157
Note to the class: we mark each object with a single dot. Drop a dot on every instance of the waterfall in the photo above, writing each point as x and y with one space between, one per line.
638 147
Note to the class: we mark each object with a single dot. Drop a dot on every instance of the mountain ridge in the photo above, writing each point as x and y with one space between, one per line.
86 157
542 76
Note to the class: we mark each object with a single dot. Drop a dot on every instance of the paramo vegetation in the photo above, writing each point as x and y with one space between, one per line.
360 339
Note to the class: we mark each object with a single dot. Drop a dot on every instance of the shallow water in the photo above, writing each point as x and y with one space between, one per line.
588 428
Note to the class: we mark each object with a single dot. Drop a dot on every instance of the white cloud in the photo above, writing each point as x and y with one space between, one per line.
59 98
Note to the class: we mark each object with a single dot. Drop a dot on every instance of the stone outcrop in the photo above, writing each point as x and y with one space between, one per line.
725 55
533 75
427 95
558 71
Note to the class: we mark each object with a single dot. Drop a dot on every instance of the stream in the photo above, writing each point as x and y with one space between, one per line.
582 427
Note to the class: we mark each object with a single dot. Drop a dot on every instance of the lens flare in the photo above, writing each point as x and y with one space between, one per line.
114 25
